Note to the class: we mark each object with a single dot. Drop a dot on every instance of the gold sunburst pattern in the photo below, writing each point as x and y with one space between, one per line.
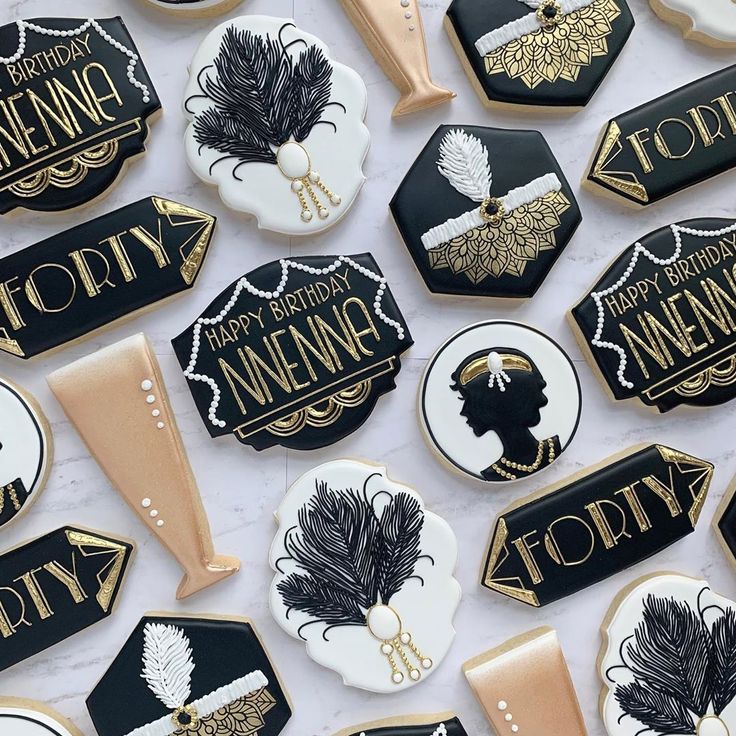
559 52
244 717
506 248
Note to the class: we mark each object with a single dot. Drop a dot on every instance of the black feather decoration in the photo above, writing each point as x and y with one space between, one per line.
350 557
671 651
723 660
262 96
660 712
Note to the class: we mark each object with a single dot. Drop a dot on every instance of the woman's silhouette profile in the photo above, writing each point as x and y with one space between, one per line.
503 392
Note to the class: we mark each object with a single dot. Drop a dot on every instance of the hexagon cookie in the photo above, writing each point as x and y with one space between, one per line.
485 212
519 52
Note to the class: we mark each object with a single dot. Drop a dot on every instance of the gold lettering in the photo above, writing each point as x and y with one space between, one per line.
663 147
632 498
369 330
552 544
666 493
112 95
637 143
707 135
7 627
524 549
8 303
155 246
603 524
34 296
69 579
91 285
37 595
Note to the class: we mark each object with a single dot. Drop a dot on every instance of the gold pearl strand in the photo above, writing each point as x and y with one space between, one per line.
526 468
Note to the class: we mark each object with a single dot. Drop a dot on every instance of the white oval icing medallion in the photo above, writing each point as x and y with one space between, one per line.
499 401
20 717
668 659
712 22
26 448
276 124
364 576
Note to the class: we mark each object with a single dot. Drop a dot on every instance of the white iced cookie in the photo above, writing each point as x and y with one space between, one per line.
712 22
276 124
364 575
21 717
668 660
194 8
26 450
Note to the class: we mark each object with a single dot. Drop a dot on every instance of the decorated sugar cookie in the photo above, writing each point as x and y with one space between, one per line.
393 31
667 659
75 106
712 23
538 53
501 215
65 287
364 576
668 144
524 687
56 586
193 675
499 401
195 8
657 324
276 124
562 539
26 451
437 724
22 717
117 400
295 353
724 522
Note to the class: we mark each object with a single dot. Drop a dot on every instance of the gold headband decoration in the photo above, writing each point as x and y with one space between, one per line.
496 364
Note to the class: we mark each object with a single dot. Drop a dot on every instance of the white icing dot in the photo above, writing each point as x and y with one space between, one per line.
146 385
153 513
404 3
146 502
160 522
155 413
160 425
514 728
150 399
508 717
502 705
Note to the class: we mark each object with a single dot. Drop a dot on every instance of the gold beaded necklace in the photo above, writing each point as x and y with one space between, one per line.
526 468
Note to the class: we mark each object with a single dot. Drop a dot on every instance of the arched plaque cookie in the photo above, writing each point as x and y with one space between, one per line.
26 451
74 110
538 53
659 323
295 353
195 8
276 124
364 576
437 724
193 675
22 717
501 214
519 402
597 523
712 23
667 659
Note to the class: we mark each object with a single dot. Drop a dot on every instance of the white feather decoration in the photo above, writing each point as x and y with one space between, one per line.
464 163
167 664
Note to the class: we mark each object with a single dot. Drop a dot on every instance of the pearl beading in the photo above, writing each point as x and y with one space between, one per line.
244 284
24 26
640 250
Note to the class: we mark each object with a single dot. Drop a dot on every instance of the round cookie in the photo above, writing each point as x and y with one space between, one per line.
667 659
22 717
518 53
390 626
195 8
712 22
26 451
520 401
500 211
276 124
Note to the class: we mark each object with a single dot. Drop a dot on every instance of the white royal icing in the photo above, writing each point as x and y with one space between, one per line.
336 154
639 251
515 29
24 452
426 610
713 18
185 6
464 163
22 720
678 595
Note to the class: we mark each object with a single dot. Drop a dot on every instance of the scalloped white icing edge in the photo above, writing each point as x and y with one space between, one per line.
715 19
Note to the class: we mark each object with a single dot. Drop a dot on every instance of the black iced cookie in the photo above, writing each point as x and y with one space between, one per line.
63 288
659 323
199 676
56 586
668 144
295 353
74 107
485 212
438 724
540 53
584 529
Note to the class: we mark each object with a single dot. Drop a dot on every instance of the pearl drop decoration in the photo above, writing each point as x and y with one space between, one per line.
502 705
243 284
146 502
160 425
150 399
153 513
146 385
640 250
24 26
156 413
160 523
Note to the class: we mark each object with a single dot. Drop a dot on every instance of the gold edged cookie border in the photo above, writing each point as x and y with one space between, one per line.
428 719
728 497
686 24
39 707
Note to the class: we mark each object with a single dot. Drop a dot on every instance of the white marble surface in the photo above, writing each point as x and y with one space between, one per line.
241 488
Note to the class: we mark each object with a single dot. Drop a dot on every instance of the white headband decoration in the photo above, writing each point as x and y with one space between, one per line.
547 15
464 163
498 374
168 667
